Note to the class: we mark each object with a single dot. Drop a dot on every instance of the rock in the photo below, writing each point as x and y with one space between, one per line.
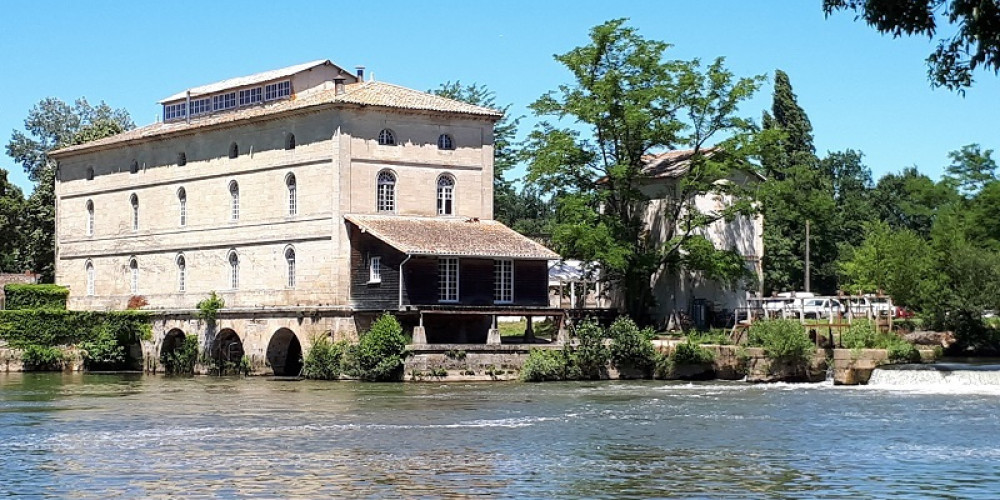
927 337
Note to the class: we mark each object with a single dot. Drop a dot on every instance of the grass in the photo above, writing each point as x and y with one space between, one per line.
543 329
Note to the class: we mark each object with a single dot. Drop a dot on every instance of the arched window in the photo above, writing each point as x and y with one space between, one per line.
91 278
290 265
234 196
90 218
182 201
134 200
234 270
386 192
293 201
134 167
182 159
181 274
133 269
234 150
90 173
446 195
289 141
386 138
445 142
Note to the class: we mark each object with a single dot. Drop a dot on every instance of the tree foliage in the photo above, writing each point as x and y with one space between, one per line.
625 102
972 43
11 212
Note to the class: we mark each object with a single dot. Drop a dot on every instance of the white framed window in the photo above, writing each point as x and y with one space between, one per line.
174 111
503 281
224 101
448 279
445 142
134 200
91 279
234 270
375 269
133 269
181 274
446 195
90 218
290 266
182 201
234 201
251 96
386 192
201 106
386 138
277 90
293 202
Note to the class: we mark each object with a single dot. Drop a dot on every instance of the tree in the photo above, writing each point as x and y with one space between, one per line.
899 262
11 209
52 124
971 168
626 102
851 181
910 200
974 43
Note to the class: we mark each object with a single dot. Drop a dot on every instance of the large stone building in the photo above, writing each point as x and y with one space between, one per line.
311 200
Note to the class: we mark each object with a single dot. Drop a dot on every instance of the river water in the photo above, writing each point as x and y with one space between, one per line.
97 436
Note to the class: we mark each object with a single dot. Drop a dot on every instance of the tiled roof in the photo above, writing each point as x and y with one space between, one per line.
451 236
370 93
243 81
674 164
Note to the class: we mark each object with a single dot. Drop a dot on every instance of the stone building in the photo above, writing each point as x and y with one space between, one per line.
311 200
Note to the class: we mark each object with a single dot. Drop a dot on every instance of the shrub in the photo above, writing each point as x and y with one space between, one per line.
546 365
105 351
689 353
903 352
713 337
632 348
22 297
590 355
37 357
325 360
862 334
208 309
181 360
136 302
60 327
782 340
381 350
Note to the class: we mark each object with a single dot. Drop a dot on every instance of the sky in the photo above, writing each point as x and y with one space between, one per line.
861 90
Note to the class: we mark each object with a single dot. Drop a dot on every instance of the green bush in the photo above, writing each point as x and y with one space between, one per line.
325 360
60 327
865 335
590 356
546 365
903 352
632 348
862 334
783 340
37 357
28 297
690 353
381 350
106 351
181 360
713 337
208 309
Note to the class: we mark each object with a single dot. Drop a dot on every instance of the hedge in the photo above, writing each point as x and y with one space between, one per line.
55 327
21 297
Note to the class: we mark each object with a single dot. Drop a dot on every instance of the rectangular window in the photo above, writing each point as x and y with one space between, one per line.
448 279
250 96
503 281
277 90
174 111
375 269
224 101
201 106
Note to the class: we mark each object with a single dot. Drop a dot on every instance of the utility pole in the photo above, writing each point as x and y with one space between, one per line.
807 255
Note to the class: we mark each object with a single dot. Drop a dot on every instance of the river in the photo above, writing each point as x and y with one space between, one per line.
95 436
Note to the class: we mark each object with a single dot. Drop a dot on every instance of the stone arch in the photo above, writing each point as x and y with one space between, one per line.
171 342
227 350
284 353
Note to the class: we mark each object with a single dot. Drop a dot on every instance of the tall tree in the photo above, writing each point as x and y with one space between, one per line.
626 101
910 200
11 210
973 43
971 168
851 181
52 124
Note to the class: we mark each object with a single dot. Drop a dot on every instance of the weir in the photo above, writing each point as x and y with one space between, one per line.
940 374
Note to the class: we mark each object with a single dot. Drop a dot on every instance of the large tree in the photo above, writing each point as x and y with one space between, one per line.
910 200
52 124
626 101
972 40
971 168
11 211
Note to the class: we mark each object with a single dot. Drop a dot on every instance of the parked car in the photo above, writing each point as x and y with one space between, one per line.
870 305
821 308
903 313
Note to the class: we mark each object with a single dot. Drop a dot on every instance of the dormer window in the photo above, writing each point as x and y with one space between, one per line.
201 106
250 96
277 90
386 138
224 101
174 111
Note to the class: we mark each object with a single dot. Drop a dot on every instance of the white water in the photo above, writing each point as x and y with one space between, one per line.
947 378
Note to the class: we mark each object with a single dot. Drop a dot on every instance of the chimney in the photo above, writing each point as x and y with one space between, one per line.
338 84
361 73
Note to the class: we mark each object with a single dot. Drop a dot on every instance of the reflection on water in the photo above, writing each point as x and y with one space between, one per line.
91 435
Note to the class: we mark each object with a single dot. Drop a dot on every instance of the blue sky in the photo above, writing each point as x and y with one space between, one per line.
860 89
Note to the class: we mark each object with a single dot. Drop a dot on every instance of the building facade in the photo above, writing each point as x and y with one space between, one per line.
254 188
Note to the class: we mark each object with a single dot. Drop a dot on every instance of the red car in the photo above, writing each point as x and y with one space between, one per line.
903 313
